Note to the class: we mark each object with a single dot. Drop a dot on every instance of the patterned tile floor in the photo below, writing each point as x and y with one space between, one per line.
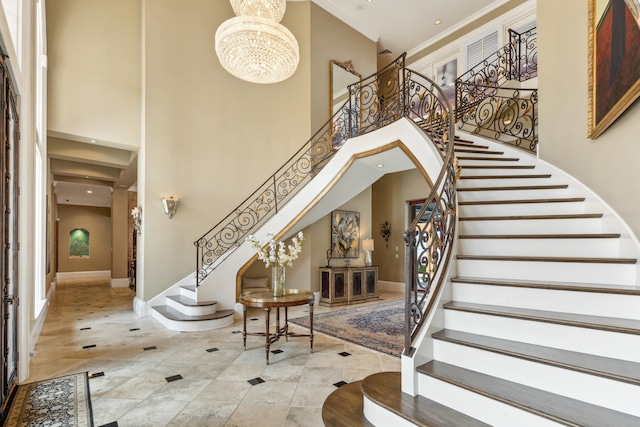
146 375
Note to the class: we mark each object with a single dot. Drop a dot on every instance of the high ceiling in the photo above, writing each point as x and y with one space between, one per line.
85 172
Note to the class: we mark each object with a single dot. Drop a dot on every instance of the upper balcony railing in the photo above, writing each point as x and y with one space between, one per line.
486 103
376 101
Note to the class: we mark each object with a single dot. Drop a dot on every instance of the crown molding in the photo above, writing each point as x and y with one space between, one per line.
368 33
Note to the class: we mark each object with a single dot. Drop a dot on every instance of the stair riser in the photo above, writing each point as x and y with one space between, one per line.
572 272
522 209
587 303
594 341
189 294
590 225
203 325
609 247
576 385
191 311
472 196
501 182
379 416
477 406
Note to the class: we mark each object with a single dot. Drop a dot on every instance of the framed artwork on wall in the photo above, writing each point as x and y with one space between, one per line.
79 243
345 234
614 63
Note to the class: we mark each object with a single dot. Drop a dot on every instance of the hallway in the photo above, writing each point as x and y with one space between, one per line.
145 375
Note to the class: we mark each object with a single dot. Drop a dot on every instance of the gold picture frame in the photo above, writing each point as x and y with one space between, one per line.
614 63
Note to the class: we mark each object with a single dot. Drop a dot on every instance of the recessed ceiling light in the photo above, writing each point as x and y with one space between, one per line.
93 141
379 165
89 191
437 21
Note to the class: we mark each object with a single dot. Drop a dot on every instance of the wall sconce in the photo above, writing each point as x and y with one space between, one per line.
170 206
367 247
136 219
385 231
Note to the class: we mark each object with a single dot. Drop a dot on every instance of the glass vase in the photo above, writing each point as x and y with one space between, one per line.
278 280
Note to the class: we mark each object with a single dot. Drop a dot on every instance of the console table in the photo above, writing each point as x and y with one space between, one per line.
267 301
348 285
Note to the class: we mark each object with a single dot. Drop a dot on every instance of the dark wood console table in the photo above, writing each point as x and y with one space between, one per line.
348 285
267 301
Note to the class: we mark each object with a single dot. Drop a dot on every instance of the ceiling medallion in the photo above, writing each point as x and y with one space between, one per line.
254 46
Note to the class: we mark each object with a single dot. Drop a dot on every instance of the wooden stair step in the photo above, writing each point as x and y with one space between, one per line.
515 187
458 139
505 176
191 288
531 217
343 407
614 369
190 302
612 324
552 406
520 201
491 159
541 236
384 389
539 284
548 259
174 314
475 151
497 167
470 145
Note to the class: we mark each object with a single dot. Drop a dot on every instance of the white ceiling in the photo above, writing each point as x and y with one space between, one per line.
407 25
396 25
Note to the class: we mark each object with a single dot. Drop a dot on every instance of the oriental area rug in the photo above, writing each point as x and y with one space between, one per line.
379 327
62 401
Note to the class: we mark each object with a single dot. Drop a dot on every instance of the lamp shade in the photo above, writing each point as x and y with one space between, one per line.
367 244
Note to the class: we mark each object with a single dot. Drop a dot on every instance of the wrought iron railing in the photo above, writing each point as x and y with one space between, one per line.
485 105
383 98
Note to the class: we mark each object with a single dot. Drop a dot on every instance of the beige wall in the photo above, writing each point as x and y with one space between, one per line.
119 235
94 53
328 35
97 221
209 138
609 164
389 200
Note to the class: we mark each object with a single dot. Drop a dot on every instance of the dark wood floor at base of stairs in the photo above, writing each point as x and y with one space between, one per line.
343 407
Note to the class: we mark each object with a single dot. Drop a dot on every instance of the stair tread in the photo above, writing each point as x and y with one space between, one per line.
619 370
542 236
602 260
497 167
476 151
492 159
532 176
615 324
173 314
582 287
530 217
190 302
515 187
519 201
344 407
385 389
191 288
545 404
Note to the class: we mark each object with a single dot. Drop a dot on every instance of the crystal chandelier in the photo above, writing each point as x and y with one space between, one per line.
254 46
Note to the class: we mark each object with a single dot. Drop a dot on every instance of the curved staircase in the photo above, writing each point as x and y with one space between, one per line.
542 326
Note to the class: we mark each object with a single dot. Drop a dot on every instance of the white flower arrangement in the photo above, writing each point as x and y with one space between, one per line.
277 253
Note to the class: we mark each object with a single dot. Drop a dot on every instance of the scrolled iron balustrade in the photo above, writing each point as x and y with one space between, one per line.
482 101
383 98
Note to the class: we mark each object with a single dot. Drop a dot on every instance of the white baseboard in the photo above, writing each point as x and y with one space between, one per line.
390 286
120 283
139 307
38 324
83 274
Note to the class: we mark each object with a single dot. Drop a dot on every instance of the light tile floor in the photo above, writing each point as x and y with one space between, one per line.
91 327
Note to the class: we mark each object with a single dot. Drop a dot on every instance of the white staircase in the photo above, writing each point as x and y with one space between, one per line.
543 323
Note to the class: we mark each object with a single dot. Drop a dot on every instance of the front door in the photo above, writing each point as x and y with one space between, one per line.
9 247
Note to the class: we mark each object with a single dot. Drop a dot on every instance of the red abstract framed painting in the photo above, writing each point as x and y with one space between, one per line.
614 62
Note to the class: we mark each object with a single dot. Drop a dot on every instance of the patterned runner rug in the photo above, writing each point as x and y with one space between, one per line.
379 327
63 401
